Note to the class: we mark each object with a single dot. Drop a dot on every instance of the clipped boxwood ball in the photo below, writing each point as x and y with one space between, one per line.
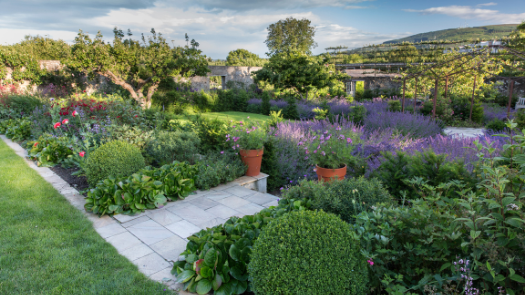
115 158
307 252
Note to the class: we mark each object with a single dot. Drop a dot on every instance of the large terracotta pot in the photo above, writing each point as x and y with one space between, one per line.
253 159
327 174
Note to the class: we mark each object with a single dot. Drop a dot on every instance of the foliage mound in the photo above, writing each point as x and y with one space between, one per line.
169 146
307 252
216 168
115 158
147 189
345 198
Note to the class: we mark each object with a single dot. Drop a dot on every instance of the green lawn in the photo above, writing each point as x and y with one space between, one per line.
48 247
238 116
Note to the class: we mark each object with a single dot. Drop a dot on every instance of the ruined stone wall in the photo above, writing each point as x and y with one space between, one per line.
242 75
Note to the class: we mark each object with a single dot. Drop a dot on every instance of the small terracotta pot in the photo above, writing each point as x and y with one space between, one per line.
327 174
253 159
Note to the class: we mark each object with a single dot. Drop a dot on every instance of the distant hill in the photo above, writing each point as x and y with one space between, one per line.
484 33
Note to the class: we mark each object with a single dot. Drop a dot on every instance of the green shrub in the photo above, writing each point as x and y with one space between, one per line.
49 151
290 111
519 117
169 146
270 166
254 108
134 135
216 168
345 198
397 169
18 130
23 104
394 105
217 258
265 105
212 133
146 189
496 125
503 99
115 158
307 252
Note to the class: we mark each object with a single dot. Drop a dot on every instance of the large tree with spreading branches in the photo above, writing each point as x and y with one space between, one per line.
137 66
291 35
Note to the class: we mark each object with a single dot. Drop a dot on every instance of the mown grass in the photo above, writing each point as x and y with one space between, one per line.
49 247
238 116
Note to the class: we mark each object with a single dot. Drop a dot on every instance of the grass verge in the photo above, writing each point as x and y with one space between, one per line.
49 247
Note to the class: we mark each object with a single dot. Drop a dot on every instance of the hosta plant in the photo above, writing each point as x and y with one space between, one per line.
18 130
217 258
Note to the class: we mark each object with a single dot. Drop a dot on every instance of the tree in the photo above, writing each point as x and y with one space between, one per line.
290 35
300 72
138 67
242 57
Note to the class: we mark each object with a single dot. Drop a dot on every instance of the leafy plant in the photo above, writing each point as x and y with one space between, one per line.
496 125
330 150
18 130
146 189
394 105
307 252
246 138
345 198
169 146
49 151
115 158
217 258
135 135
216 168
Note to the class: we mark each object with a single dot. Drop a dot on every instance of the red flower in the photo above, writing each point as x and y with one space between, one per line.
118 117
75 113
82 153
84 90
136 116
57 124
36 143
65 121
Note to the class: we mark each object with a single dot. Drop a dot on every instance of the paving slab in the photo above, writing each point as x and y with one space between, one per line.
163 216
110 230
151 264
222 211
150 232
192 214
137 251
463 131
123 241
183 228
260 198
250 209
240 191
170 248
234 202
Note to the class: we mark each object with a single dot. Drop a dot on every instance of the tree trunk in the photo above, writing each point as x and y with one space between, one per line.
135 94
151 91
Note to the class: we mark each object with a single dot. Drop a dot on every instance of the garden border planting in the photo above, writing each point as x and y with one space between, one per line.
154 239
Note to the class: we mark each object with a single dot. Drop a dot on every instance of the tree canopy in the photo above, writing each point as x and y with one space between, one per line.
242 57
138 67
299 71
291 35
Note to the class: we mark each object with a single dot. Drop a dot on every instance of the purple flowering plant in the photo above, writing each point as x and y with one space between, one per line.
243 137
331 148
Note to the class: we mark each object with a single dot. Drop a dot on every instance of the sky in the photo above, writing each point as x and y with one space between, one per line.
224 25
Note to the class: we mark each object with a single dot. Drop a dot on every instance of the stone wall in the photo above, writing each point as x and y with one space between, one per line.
228 73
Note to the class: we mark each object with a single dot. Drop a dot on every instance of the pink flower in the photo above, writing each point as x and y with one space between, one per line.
370 262
222 152
81 154
57 124
65 121
348 140
248 117
75 113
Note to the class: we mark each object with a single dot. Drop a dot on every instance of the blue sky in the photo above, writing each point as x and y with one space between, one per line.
224 25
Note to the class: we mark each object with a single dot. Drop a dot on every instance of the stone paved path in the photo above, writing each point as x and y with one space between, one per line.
154 239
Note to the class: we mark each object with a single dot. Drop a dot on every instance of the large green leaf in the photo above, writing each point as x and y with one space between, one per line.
225 289
217 282
204 286
185 276
211 258
238 271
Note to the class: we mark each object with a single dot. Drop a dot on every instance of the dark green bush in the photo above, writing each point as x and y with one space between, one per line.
270 167
519 118
496 125
216 168
19 130
212 133
290 111
23 104
503 99
397 169
136 136
345 198
115 158
265 106
254 108
169 146
49 151
307 252
394 105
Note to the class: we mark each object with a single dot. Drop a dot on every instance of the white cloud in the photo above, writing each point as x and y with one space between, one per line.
10 36
245 5
488 4
467 12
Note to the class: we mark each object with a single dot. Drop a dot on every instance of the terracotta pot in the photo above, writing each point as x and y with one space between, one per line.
327 174
253 159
